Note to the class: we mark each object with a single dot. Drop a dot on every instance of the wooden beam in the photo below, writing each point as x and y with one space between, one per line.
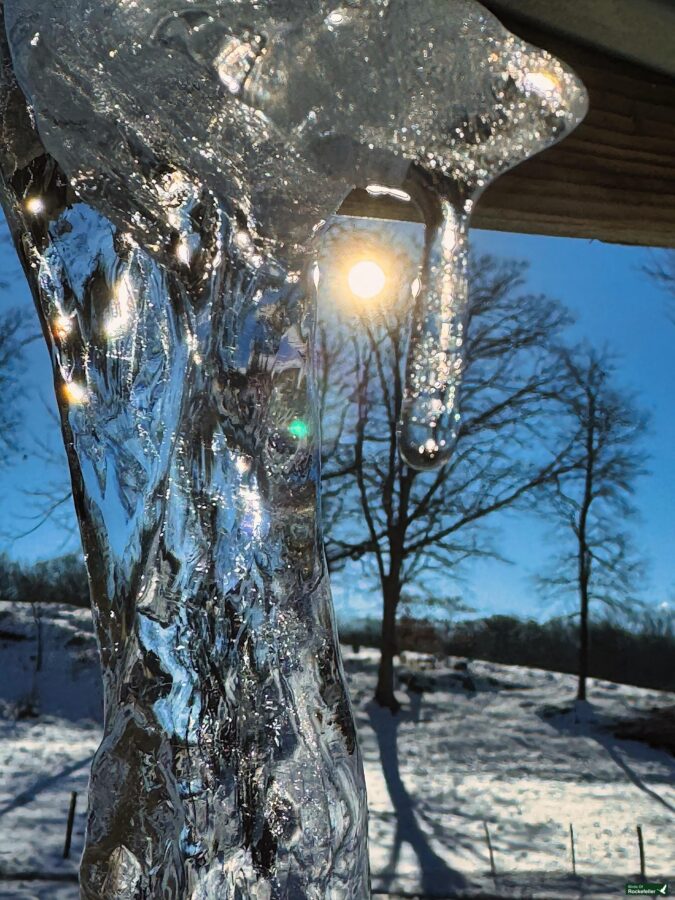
637 30
613 179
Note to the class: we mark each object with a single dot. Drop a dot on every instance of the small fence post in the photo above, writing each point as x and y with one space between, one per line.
69 824
574 856
642 852
489 843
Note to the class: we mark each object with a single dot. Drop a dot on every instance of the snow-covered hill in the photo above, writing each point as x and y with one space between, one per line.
486 744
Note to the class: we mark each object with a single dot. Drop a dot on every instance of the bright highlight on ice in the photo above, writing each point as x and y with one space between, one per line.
35 206
119 320
62 326
545 83
75 393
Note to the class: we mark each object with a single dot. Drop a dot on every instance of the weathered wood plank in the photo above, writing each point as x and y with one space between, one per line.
613 179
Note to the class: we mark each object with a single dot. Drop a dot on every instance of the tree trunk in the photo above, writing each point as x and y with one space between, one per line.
584 556
229 765
583 643
384 693
37 618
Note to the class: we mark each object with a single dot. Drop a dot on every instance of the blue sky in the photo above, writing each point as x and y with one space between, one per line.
614 303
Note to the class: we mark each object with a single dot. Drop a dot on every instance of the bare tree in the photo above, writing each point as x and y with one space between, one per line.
62 579
418 527
15 335
591 500
662 270
49 498
18 329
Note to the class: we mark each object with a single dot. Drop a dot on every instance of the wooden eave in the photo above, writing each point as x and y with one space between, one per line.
613 178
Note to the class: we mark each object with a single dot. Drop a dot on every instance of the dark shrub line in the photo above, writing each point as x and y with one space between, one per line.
641 656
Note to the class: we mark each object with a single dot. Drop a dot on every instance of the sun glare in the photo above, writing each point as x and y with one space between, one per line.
366 279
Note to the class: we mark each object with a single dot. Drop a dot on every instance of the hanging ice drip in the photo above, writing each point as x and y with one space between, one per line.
167 169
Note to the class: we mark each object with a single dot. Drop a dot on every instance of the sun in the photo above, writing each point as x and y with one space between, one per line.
366 279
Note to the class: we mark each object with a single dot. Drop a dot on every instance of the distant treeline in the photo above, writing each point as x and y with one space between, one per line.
60 580
641 655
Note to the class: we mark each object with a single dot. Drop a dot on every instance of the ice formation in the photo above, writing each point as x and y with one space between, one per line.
168 167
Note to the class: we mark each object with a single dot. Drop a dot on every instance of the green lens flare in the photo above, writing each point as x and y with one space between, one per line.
299 429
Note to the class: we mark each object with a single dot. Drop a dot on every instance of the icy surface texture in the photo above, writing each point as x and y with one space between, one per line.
177 163
229 766
282 107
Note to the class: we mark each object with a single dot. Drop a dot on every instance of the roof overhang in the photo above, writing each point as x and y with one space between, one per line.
613 179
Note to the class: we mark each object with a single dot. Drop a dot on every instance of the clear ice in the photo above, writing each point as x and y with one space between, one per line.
168 169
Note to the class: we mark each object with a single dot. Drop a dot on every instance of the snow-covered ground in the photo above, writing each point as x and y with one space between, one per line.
44 758
485 745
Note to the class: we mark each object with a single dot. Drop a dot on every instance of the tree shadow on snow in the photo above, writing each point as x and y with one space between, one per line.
599 728
42 784
612 748
436 875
